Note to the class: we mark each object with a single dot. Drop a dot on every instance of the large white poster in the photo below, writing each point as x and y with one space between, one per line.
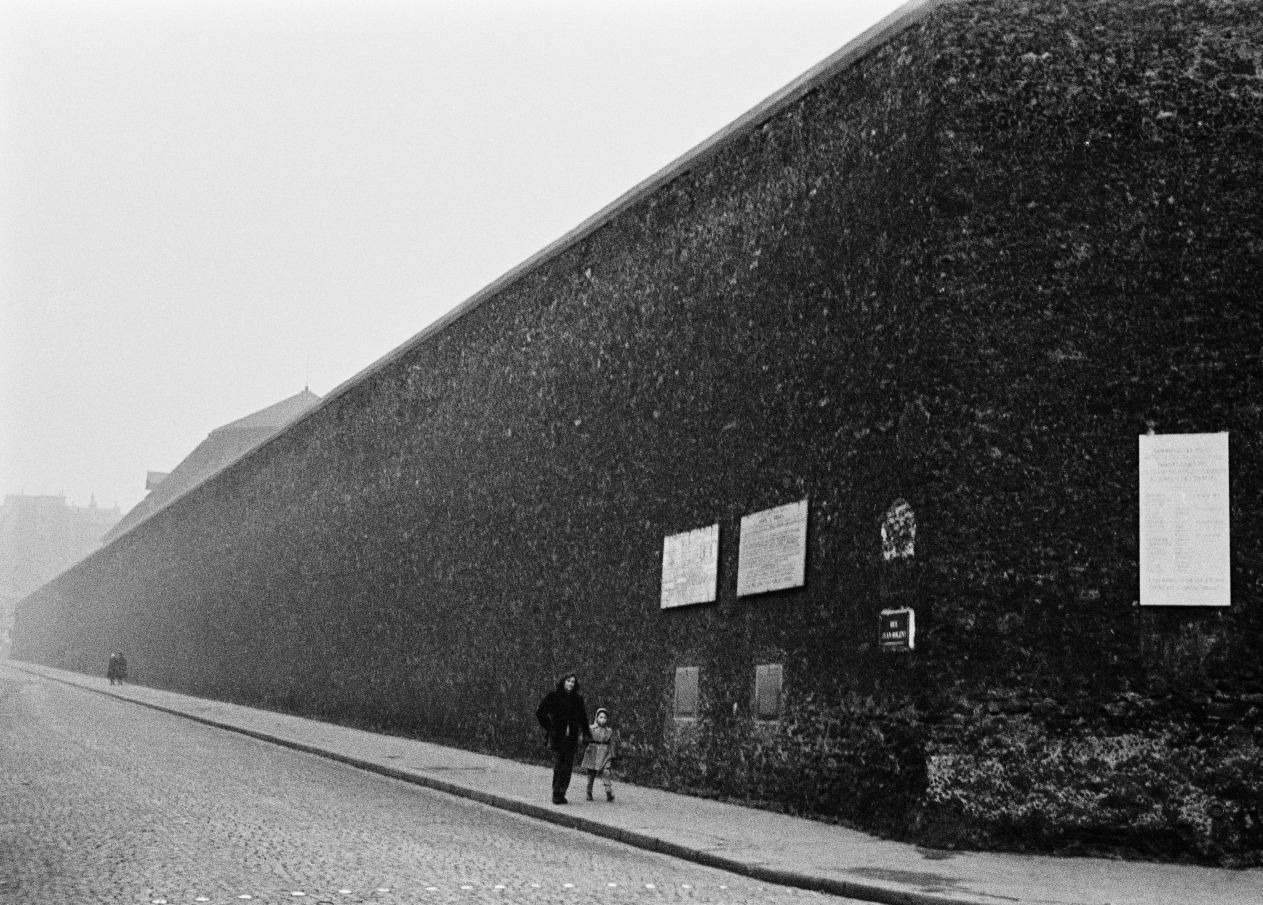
690 567
1184 549
773 551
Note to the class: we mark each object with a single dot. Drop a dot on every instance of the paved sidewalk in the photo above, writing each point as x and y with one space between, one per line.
759 844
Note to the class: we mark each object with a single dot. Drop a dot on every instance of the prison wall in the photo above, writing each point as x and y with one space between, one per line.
964 269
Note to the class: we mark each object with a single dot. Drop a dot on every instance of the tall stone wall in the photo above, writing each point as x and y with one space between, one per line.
964 271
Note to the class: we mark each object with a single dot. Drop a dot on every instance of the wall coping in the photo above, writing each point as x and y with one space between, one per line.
855 50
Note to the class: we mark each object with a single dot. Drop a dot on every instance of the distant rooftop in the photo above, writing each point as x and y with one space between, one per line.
272 417
222 446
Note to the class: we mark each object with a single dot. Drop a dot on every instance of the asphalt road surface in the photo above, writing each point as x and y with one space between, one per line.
103 801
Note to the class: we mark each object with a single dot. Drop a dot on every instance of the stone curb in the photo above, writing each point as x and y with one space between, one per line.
868 892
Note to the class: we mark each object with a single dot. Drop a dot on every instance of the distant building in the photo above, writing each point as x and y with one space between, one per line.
40 537
221 448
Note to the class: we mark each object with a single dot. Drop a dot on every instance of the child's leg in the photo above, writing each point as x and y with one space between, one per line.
608 779
591 781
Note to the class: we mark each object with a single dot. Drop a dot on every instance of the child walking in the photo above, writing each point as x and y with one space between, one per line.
598 756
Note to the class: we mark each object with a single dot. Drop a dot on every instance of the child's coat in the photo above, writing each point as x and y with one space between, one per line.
600 750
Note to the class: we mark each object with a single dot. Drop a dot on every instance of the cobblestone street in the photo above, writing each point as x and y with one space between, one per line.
102 801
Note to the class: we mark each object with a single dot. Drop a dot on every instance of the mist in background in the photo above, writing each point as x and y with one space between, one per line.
205 207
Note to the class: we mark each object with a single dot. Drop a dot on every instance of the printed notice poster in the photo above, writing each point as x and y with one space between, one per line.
773 549
690 567
1184 551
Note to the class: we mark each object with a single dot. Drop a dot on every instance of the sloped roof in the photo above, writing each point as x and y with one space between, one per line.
222 446
274 416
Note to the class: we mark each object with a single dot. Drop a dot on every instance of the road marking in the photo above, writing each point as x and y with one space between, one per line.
464 886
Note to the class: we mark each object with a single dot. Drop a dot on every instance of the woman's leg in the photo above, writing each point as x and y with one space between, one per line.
562 777
563 763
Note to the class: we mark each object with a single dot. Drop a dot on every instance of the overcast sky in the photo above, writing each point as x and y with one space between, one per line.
205 206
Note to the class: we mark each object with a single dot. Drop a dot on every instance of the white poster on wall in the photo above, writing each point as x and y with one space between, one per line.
773 551
690 567
1184 543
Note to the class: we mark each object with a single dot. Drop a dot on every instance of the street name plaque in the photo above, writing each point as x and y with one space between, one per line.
898 629
690 567
1184 543
773 549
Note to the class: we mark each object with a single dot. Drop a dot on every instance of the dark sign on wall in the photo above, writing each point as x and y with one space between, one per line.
898 629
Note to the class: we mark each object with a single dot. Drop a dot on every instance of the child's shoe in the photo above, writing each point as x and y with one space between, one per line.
609 794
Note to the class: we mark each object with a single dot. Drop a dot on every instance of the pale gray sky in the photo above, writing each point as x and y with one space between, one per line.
197 198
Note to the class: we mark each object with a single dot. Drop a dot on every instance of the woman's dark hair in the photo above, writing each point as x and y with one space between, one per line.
561 683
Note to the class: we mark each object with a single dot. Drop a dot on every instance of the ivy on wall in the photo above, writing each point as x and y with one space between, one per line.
962 274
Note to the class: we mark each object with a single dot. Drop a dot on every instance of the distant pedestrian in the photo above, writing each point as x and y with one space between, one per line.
598 757
565 720
116 671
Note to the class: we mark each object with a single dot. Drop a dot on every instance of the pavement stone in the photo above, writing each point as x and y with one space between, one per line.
105 801
759 844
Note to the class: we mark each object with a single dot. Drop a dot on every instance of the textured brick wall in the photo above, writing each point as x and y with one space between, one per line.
966 272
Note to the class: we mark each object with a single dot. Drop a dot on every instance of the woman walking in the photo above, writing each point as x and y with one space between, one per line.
565 719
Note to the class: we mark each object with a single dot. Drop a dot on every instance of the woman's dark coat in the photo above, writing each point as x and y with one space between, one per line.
564 717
